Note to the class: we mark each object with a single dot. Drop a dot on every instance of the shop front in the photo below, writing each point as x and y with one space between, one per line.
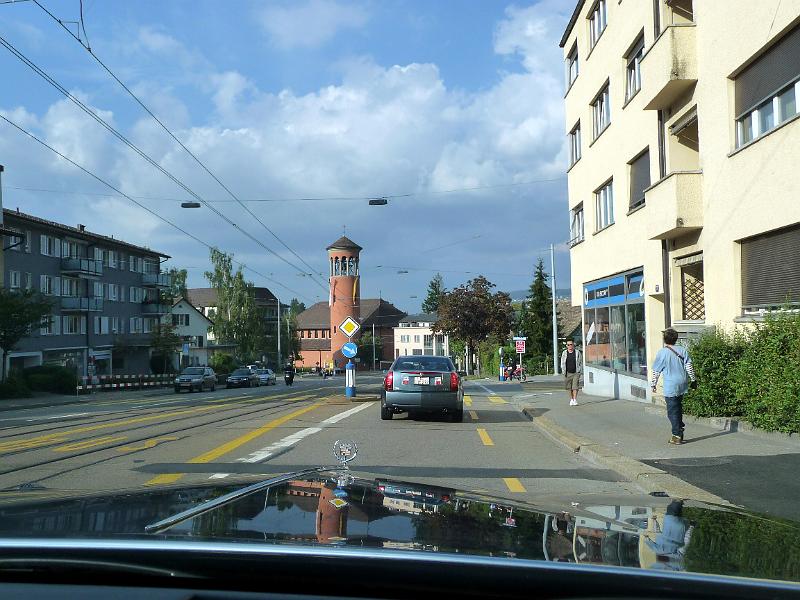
614 334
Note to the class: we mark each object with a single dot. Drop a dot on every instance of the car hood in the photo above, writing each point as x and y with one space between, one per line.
339 508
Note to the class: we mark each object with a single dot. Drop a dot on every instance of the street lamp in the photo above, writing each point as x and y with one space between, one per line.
190 205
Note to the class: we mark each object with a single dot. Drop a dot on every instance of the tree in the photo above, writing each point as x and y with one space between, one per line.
20 311
164 342
177 287
237 318
365 346
472 313
435 290
536 319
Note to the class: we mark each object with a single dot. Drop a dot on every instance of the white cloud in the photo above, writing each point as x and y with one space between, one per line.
310 23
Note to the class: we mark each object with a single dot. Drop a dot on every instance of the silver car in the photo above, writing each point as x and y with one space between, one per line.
423 384
266 376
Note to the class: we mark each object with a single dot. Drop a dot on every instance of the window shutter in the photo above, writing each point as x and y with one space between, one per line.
56 286
56 325
43 244
187 320
96 325
64 248
640 178
83 324
770 269
43 284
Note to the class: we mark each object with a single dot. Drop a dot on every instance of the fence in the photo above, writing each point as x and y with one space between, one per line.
122 382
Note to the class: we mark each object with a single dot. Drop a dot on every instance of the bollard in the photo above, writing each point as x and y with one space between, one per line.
350 380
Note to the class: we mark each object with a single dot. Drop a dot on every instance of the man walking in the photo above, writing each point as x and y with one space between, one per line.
674 362
572 368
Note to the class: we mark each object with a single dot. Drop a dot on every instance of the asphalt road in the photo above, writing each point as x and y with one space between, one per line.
243 435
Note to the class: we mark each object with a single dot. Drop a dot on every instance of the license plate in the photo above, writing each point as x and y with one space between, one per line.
422 380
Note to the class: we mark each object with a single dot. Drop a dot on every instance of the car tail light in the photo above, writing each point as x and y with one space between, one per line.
453 380
388 383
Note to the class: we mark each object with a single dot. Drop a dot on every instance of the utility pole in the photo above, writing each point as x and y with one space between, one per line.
373 346
280 362
555 318
2 240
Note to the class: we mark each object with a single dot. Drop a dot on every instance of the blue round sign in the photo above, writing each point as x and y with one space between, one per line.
350 350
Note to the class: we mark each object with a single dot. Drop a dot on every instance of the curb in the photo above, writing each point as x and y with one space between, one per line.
84 399
649 478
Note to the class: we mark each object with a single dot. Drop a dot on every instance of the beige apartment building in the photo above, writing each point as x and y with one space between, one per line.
684 175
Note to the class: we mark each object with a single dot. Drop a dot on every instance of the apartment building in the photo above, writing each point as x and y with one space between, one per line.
106 296
683 131
414 335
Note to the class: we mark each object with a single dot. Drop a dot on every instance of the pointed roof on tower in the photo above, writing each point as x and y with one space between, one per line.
344 243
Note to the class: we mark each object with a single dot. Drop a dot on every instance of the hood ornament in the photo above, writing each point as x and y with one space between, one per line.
344 451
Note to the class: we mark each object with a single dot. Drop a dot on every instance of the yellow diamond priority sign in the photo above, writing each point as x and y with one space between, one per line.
349 327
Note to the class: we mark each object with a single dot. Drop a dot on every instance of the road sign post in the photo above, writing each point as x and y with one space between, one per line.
519 343
349 327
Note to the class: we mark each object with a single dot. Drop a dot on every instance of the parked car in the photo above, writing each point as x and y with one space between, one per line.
242 377
266 376
196 378
423 384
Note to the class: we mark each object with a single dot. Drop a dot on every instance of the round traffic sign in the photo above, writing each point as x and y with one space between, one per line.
350 350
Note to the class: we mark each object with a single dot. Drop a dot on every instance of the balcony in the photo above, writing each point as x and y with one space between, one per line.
669 69
83 267
675 205
72 303
154 308
156 280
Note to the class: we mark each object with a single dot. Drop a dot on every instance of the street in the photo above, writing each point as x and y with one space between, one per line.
247 434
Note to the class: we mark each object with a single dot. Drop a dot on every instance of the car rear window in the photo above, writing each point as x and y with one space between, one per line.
193 371
423 363
242 372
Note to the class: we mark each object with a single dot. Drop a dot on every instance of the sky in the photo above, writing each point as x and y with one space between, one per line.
304 110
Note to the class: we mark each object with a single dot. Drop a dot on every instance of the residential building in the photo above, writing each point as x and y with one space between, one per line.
193 328
106 296
683 190
414 335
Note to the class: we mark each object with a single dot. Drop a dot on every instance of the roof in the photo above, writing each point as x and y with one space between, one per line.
208 296
569 317
421 318
315 344
376 311
75 232
344 243
185 299
572 20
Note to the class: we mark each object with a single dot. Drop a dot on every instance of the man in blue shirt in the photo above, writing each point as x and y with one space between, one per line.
674 362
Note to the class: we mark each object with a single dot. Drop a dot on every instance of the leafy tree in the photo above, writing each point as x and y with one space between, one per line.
20 311
365 345
178 286
472 313
222 363
435 290
536 315
164 342
237 319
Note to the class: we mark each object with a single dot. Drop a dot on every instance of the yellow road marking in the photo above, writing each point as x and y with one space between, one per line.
496 400
147 444
90 443
468 400
232 445
487 441
473 415
514 485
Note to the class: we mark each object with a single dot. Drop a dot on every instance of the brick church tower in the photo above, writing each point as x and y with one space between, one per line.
345 291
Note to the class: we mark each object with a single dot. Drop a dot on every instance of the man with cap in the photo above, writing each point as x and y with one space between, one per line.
674 363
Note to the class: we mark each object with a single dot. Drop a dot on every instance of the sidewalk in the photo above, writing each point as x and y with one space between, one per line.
43 400
631 438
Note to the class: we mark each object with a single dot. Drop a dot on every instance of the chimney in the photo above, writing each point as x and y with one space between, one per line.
81 227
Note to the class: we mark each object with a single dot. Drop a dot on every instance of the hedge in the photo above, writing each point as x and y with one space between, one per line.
50 378
14 387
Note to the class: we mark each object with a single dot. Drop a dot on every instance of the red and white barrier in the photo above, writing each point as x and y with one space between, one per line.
122 382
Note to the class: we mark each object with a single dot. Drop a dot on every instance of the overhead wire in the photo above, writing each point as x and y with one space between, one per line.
142 206
172 135
102 122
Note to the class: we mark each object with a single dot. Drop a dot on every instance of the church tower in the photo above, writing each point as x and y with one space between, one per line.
345 291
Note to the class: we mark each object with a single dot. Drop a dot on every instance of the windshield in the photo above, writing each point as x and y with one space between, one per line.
546 252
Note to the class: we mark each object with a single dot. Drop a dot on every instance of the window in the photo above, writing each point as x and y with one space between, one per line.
180 320
572 65
598 19
768 283
17 243
149 324
50 246
766 91
693 306
50 286
416 339
633 80
576 225
601 111
135 264
14 280
136 294
316 333
70 249
73 325
100 289
575 144
113 291
640 178
136 325
114 325
405 339
28 281
604 206
416 352
69 287
51 326
101 325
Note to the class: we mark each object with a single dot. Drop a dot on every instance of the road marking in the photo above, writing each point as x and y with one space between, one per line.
291 440
147 444
90 443
496 400
232 445
491 393
487 441
473 415
514 485
468 400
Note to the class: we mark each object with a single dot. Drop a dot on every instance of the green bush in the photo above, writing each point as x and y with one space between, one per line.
14 387
50 378
223 363
714 356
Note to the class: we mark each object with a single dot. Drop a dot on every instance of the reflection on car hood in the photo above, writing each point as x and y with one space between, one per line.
335 508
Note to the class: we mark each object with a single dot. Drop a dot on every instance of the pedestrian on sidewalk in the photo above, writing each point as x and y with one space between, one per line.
674 362
572 368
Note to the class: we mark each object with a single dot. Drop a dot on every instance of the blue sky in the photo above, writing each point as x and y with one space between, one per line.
311 98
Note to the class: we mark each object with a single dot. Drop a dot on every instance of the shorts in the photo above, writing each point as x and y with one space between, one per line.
573 381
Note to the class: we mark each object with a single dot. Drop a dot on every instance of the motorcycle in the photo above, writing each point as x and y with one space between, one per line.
288 378
519 374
